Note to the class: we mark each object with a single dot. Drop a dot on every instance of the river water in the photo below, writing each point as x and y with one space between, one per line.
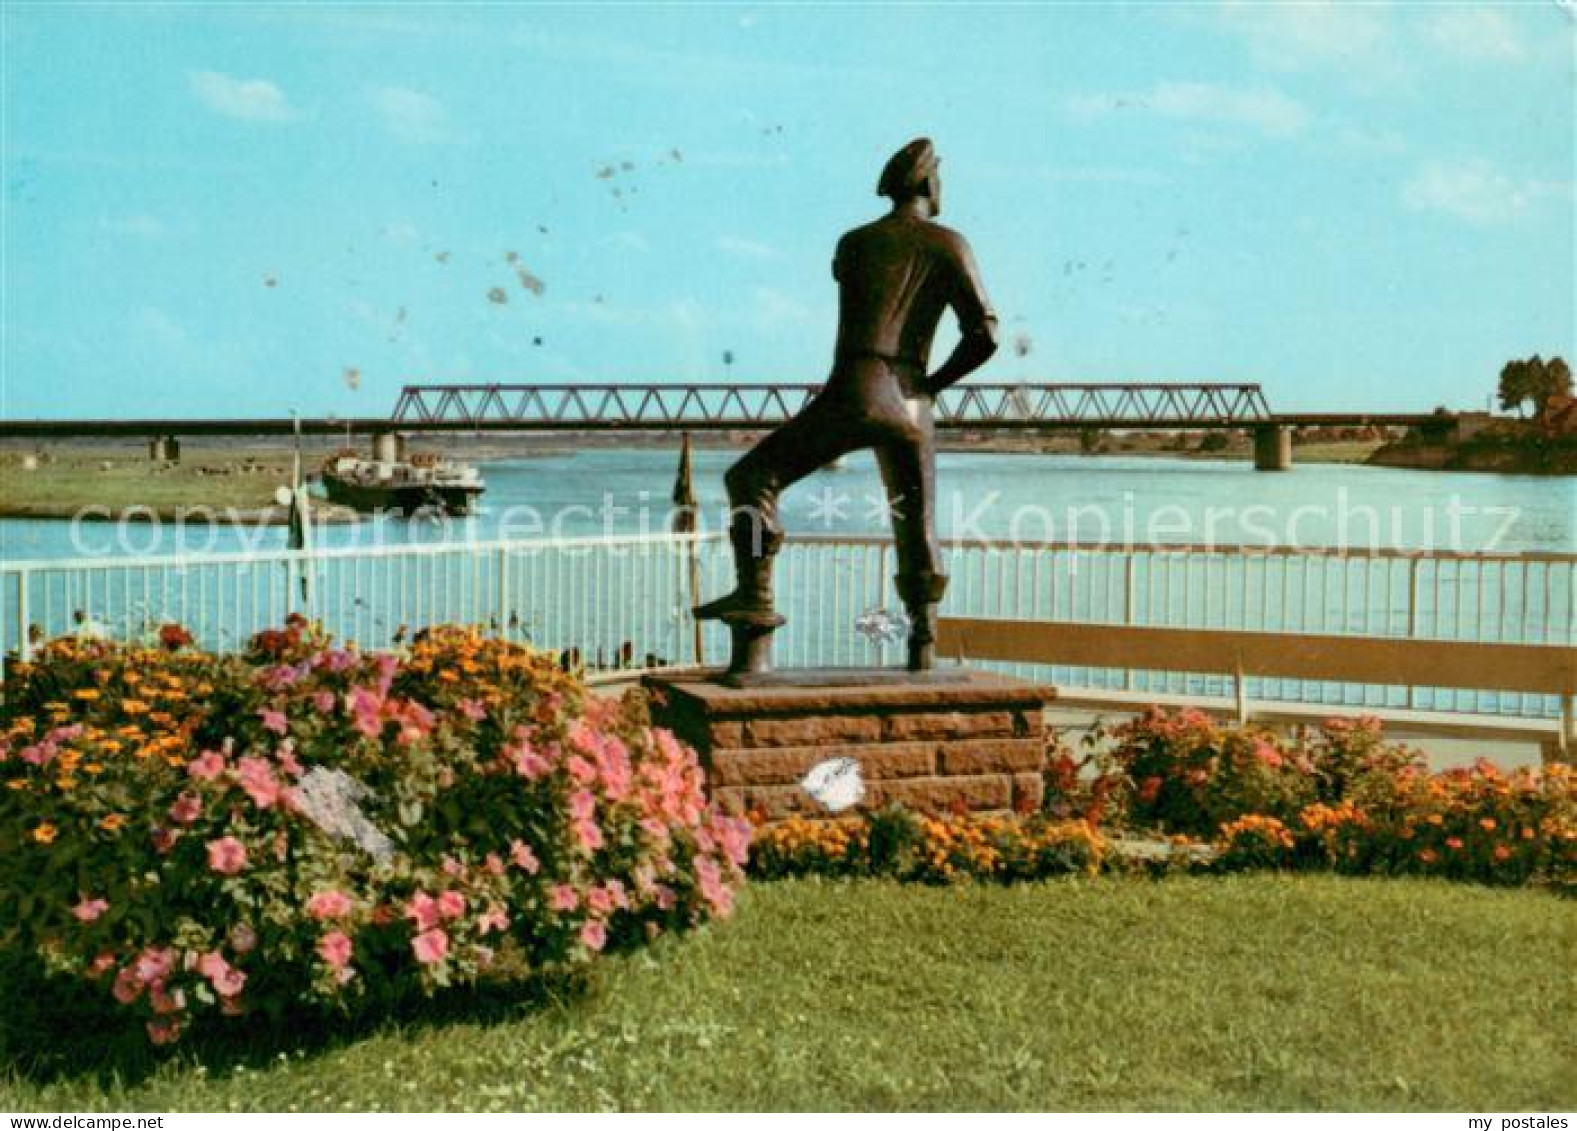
1018 497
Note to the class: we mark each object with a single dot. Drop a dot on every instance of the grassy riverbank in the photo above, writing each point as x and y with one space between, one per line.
1239 993
102 483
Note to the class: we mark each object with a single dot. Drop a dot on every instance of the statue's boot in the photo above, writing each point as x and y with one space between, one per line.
921 593
751 601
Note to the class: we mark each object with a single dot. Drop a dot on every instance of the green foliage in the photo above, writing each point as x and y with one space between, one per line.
1533 381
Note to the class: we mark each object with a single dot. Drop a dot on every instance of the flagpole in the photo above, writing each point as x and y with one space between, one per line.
684 522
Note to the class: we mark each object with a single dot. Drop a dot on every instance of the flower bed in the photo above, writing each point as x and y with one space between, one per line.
933 848
1179 791
1343 798
196 836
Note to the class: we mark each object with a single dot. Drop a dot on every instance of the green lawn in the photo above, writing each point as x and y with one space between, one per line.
1262 991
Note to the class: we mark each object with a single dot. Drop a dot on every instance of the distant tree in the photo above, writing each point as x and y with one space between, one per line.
1533 382
1557 382
1513 388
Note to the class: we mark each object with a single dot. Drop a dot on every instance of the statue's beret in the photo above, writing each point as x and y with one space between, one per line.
908 169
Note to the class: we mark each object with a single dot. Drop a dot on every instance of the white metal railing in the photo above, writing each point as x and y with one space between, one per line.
624 601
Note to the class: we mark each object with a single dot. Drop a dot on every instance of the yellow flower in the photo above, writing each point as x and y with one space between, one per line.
86 694
134 707
45 833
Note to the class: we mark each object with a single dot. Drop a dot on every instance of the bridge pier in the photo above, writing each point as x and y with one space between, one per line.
1272 447
388 447
164 449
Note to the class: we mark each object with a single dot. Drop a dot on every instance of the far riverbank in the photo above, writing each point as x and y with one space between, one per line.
236 480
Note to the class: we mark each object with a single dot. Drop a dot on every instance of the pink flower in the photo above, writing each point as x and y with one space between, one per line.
733 836
367 709
522 857
186 809
616 892
227 856
709 878
655 829
528 763
451 905
335 949
430 946
453 867
274 721
1267 754
424 910
581 770
206 766
594 934
563 898
493 919
472 709
416 722
599 901
227 980
90 909
588 835
493 864
257 778
582 805
288 760
154 965
323 702
329 905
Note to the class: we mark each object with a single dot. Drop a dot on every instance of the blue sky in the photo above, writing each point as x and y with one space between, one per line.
216 210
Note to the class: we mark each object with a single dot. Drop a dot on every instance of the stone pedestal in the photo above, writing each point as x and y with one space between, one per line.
968 739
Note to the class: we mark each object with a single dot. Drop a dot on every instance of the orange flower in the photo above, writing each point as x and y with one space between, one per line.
1487 824
112 822
1453 842
45 833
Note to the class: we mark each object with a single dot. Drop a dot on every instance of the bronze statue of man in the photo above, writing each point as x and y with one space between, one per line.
895 278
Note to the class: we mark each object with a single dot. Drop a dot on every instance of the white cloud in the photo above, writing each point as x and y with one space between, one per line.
141 226
626 240
1354 39
749 249
251 100
1476 192
1370 142
1261 108
409 115
1476 34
